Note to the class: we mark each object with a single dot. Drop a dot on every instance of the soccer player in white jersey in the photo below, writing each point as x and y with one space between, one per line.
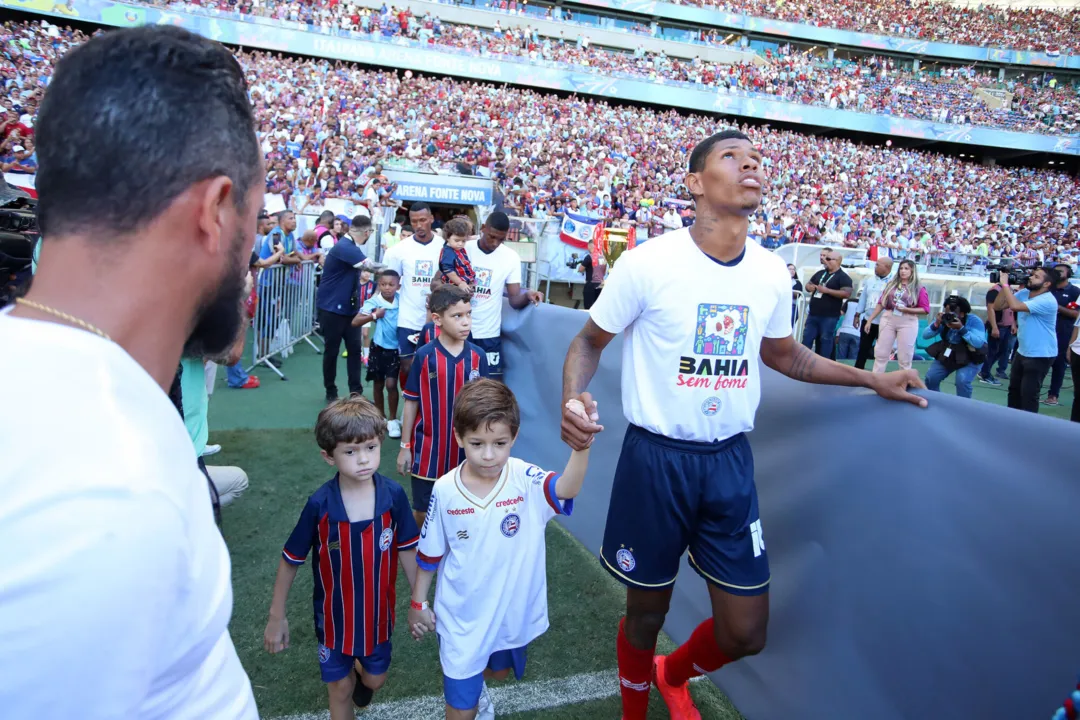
484 533
416 260
690 387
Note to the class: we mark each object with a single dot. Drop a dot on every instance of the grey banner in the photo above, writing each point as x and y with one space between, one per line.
925 563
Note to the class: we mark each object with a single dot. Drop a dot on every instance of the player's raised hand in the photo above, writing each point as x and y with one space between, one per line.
276 635
580 421
894 386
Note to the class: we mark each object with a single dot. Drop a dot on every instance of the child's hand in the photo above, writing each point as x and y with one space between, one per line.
421 622
276 636
404 461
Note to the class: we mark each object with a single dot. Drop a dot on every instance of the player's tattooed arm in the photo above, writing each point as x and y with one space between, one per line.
798 362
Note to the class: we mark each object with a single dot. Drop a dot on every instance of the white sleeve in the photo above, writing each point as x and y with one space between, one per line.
432 546
779 325
543 502
393 261
623 297
106 590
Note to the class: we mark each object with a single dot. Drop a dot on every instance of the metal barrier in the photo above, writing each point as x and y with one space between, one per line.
284 313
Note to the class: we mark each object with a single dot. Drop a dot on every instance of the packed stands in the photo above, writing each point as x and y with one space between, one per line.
325 127
865 84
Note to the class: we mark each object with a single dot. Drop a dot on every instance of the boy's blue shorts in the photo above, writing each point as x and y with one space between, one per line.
465 694
334 666
406 340
670 496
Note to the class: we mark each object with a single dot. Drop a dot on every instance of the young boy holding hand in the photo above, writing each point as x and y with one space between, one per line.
438 372
360 527
484 533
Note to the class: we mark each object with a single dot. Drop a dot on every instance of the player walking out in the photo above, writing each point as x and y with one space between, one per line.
690 387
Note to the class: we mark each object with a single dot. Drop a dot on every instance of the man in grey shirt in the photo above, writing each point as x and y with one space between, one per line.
868 299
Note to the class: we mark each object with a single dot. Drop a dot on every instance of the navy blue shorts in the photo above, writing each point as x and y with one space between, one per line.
406 340
670 496
492 347
334 666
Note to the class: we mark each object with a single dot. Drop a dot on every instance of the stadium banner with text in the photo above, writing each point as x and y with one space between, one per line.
442 189
909 571
262 33
832 36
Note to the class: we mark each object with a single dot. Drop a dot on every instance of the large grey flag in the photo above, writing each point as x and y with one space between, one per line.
925 563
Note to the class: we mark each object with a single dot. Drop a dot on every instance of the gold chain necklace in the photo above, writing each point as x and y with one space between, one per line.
64 316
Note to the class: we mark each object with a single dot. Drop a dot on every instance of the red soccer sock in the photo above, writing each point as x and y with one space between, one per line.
696 656
635 676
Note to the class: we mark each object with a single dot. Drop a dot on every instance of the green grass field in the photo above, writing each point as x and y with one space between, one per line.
268 432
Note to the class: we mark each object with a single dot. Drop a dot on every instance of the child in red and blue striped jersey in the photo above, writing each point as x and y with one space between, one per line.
360 527
438 372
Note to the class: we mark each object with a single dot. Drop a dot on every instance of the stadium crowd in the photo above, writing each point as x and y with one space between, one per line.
328 129
984 26
868 84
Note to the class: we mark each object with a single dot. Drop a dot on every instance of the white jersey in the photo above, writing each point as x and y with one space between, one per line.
690 365
494 271
114 555
417 264
492 589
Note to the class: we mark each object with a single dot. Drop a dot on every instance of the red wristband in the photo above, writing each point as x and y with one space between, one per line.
415 605
406 446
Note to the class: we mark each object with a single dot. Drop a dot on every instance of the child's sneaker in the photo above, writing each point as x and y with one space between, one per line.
485 710
393 428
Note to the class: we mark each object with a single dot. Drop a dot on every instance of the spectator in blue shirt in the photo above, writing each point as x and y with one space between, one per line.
1036 314
964 346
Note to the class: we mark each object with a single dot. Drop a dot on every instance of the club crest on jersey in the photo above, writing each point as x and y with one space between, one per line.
474 375
625 560
510 525
386 538
422 272
710 407
324 654
719 336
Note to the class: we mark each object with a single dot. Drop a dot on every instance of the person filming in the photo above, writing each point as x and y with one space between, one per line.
961 348
1036 315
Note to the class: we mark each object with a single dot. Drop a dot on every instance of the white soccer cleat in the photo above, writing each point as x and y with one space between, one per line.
485 710
393 428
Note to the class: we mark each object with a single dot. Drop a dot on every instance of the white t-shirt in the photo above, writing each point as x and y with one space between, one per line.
492 589
847 326
417 264
693 327
114 555
1076 345
494 271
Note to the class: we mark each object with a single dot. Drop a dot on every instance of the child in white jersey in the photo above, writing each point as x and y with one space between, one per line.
484 533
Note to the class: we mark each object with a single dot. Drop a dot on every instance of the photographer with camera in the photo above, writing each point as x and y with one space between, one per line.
961 348
1036 316
1066 295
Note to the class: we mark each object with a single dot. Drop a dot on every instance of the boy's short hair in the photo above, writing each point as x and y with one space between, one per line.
389 273
458 226
445 296
349 420
483 403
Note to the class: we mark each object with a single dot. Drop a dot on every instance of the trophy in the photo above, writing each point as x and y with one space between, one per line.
613 242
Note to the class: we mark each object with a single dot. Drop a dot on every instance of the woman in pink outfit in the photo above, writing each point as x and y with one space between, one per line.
902 302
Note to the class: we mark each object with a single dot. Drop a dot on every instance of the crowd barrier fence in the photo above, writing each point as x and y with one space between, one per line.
284 312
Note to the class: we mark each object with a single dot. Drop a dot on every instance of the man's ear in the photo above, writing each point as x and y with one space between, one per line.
215 203
693 184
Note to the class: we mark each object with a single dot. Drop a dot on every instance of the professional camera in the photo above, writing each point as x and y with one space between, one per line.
18 236
1017 274
949 318
573 262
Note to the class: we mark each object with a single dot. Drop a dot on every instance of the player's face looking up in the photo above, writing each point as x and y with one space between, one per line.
355 461
456 322
731 180
487 449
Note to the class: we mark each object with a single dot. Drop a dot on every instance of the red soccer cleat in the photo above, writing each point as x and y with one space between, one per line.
251 383
676 697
